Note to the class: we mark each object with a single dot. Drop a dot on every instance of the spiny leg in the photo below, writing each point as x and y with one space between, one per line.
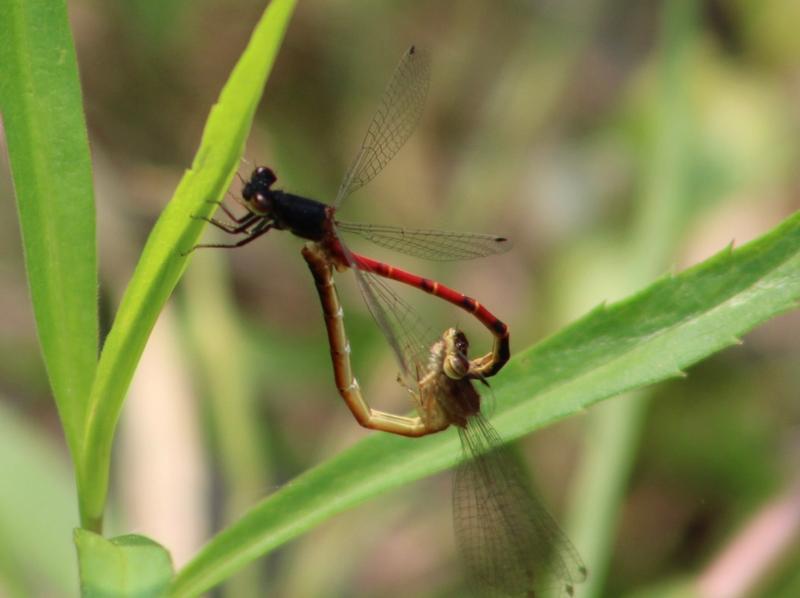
260 229
247 216
242 224
235 198
227 210
220 204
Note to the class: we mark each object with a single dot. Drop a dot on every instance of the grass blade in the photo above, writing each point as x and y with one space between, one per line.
40 99
163 259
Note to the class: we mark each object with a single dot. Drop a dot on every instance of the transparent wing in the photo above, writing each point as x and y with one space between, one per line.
408 336
431 244
508 542
398 114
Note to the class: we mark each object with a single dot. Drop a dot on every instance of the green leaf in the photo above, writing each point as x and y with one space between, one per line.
38 509
128 566
164 256
40 99
644 339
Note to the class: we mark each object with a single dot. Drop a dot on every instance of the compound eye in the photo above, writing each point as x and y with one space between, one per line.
461 343
265 175
260 203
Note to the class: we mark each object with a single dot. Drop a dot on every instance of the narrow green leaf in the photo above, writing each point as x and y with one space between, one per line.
40 99
646 338
164 256
124 567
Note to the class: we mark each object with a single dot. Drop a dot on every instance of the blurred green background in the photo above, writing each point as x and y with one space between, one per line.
613 141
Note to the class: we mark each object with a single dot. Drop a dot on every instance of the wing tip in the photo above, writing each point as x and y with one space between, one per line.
503 244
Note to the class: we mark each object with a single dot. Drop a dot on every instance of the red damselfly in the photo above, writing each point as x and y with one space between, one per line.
508 543
267 208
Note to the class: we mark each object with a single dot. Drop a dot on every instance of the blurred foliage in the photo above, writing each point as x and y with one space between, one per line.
540 124
129 565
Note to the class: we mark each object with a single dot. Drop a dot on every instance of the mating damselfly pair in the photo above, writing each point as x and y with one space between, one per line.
508 542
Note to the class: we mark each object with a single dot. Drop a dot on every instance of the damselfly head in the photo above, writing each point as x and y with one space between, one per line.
456 361
456 342
256 192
